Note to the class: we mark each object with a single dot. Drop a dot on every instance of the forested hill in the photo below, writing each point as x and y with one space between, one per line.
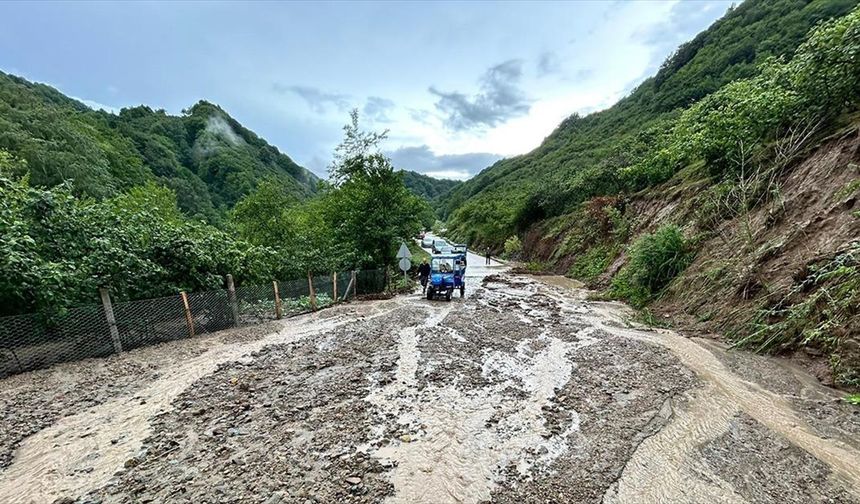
204 155
427 187
593 155
721 194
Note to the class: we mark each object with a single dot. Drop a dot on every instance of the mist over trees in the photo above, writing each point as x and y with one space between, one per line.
207 158
59 244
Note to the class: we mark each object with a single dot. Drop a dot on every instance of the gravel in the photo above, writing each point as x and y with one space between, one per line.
508 396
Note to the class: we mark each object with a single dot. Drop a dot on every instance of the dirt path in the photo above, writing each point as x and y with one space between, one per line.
522 392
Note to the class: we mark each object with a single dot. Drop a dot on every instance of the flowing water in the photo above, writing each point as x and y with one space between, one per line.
670 453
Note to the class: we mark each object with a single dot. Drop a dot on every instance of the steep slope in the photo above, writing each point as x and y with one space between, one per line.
736 213
583 157
427 187
205 155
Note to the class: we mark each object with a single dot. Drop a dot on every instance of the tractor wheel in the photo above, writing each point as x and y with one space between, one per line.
430 293
448 296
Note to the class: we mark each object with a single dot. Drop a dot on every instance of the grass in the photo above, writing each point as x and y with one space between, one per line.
588 266
853 399
815 312
418 253
649 318
536 266
402 284
848 190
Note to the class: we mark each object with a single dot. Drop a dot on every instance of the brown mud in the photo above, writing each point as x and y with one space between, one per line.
523 392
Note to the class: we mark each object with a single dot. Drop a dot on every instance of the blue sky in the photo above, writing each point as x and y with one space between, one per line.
458 84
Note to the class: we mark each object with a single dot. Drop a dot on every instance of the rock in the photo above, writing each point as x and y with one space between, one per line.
354 480
275 498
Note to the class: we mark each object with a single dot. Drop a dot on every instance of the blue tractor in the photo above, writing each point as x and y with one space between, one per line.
447 273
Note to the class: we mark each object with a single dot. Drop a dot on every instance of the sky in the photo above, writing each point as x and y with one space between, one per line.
458 85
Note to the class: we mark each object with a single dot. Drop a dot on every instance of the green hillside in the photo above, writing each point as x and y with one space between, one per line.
204 155
591 156
721 194
427 187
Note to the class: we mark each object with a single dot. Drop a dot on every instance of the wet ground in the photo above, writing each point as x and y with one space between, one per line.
521 392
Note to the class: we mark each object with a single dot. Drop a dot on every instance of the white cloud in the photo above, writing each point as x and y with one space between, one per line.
98 106
450 174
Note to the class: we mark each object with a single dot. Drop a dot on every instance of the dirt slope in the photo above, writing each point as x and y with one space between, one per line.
748 262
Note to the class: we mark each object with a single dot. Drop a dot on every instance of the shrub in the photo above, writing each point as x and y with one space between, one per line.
402 284
513 247
655 259
588 266
819 311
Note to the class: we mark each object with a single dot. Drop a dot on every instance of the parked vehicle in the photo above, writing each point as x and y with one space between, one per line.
427 241
447 273
459 248
439 246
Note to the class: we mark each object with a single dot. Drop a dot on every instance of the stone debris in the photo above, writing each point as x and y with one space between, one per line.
509 396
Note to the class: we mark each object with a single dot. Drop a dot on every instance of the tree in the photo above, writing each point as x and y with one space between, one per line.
358 153
262 217
369 207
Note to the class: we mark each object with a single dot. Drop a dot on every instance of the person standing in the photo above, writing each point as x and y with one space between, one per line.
424 274
487 256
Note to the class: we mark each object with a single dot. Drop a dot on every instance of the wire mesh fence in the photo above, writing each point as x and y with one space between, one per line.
34 341
371 281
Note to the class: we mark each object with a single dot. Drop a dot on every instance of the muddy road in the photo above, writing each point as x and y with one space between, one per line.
522 392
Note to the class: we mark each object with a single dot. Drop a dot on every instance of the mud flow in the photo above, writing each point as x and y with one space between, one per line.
522 391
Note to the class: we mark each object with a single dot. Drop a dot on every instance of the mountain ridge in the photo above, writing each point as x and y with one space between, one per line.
578 159
204 155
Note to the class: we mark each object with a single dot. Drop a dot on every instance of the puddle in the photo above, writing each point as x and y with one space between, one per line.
667 467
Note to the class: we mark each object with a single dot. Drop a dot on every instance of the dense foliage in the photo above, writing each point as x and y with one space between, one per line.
359 220
738 83
204 155
57 247
655 259
429 188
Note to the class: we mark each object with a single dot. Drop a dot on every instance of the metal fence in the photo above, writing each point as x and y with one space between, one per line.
34 341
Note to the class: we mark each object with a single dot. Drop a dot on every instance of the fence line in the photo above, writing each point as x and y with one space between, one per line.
34 341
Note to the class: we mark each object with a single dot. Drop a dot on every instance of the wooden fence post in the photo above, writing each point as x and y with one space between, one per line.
387 286
188 318
277 299
349 286
114 332
354 285
311 293
334 285
231 294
